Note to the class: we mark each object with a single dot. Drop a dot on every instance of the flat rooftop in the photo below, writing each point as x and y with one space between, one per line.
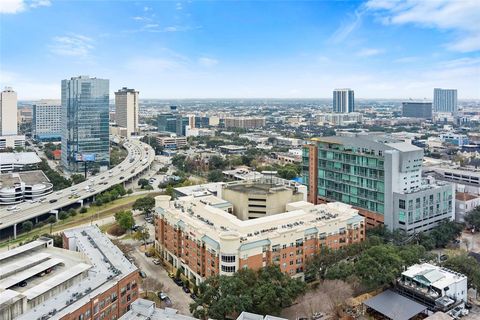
214 222
19 158
91 267
256 188
433 275
8 180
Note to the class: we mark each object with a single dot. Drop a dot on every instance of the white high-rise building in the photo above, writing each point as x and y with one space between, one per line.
8 112
126 109
343 101
445 100
47 120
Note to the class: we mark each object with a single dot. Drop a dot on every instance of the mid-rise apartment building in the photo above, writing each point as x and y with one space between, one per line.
169 142
89 279
445 100
203 234
417 110
126 110
380 176
244 122
47 120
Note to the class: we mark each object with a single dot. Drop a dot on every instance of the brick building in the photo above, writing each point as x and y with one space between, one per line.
204 236
89 279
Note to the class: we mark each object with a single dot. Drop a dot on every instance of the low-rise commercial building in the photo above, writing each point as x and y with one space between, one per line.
204 235
89 279
438 288
244 122
455 138
232 149
17 187
171 142
464 203
18 161
12 142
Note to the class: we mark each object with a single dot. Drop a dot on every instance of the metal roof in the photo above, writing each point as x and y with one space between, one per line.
395 306
23 263
24 275
21 249
255 244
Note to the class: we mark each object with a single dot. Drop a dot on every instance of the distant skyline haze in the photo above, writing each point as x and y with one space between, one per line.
259 49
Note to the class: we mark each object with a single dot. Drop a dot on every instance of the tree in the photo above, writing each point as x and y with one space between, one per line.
27 226
83 210
378 266
62 215
215 176
473 218
265 291
125 219
77 178
51 219
466 265
142 234
143 182
216 162
145 204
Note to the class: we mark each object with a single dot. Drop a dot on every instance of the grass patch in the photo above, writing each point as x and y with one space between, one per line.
93 213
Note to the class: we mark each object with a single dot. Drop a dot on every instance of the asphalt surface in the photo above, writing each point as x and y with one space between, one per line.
143 156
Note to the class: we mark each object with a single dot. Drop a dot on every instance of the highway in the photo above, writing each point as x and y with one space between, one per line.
142 155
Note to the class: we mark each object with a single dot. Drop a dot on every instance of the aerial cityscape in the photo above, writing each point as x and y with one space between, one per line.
248 160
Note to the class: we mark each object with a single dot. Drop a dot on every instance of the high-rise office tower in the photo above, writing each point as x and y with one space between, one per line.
413 109
8 112
445 100
343 101
47 120
126 110
380 176
85 131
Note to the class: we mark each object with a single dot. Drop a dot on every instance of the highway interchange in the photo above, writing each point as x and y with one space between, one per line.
142 155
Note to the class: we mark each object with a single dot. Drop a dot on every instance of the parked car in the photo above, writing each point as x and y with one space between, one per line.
23 283
148 254
168 302
178 282
157 261
193 296
186 289
171 275
162 295
142 274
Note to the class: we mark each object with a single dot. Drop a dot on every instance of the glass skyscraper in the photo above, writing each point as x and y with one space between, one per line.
343 101
85 116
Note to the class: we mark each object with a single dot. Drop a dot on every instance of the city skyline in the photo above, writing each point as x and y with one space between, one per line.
177 50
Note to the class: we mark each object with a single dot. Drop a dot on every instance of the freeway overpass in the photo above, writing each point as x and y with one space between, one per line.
142 155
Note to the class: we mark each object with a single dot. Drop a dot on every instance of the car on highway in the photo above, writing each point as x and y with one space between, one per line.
58 192
121 178
11 208
52 200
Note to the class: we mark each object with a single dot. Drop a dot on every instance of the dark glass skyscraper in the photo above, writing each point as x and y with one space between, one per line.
343 101
85 116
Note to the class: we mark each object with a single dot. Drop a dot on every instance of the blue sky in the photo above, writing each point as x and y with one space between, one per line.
207 49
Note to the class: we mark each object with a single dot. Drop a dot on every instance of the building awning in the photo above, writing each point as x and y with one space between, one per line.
211 243
395 306
255 244
312 230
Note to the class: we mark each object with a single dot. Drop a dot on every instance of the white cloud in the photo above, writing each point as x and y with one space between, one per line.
40 3
461 17
72 45
171 29
17 6
179 6
369 52
12 6
207 62
347 28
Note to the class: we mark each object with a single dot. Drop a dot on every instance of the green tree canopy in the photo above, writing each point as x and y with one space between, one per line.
77 178
125 219
145 204
265 291
473 218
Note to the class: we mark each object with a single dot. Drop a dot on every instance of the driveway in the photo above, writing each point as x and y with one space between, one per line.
180 299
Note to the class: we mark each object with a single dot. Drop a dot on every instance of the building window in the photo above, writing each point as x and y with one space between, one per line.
228 268
228 258
401 204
